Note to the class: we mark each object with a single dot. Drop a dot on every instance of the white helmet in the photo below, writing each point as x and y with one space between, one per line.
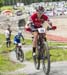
19 32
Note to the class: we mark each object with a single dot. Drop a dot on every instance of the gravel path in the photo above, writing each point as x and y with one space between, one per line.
57 68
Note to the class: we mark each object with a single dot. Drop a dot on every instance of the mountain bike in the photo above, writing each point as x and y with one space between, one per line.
19 52
42 52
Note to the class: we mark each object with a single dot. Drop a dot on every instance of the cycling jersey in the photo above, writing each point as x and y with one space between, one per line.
17 39
38 22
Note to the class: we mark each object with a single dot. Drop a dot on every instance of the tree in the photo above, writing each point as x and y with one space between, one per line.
1 4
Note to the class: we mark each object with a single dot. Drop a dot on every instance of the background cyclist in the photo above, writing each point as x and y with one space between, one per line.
17 38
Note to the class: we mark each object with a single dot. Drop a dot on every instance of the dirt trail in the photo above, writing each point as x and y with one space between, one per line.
57 68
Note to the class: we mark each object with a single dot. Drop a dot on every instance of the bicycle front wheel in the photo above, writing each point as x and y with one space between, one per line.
36 62
21 55
46 59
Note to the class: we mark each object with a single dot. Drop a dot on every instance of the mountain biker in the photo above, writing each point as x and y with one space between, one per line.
17 38
36 21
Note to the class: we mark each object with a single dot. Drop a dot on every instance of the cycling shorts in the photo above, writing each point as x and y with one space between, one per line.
33 28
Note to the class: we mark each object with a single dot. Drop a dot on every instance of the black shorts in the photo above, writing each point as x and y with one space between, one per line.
34 28
7 39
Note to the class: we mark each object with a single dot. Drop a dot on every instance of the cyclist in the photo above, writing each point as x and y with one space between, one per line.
17 38
36 21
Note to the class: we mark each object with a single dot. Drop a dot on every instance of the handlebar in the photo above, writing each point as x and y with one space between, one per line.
51 28
48 28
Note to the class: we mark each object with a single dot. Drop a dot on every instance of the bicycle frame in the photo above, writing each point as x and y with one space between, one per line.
40 43
42 53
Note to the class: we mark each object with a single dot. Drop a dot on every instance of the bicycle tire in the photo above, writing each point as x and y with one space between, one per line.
21 55
46 59
36 62
16 51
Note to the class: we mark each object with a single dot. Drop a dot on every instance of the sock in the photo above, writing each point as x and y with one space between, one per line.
45 39
34 49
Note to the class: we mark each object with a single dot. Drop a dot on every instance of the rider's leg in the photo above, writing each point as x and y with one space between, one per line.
45 36
6 42
35 34
9 42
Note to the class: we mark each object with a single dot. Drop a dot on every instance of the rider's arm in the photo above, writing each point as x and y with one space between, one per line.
29 22
49 22
22 37
46 18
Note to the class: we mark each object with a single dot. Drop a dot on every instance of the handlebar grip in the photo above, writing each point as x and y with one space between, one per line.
48 28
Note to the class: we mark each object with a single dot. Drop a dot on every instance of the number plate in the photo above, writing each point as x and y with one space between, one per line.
41 30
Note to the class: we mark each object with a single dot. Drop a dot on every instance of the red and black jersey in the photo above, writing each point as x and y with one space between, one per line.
38 22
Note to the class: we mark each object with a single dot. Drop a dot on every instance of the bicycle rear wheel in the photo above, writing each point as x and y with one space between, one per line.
46 59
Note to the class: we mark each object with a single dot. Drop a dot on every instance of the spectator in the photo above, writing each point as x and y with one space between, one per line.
8 36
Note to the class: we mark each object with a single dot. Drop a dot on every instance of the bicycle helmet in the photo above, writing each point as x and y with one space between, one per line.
19 33
40 9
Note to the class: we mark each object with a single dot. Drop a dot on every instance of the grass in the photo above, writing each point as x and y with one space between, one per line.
28 56
6 8
56 55
28 41
3 48
11 8
56 44
6 65
2 38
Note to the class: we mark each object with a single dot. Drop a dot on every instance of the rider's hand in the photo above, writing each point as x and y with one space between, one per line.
23 43
27 28
54 27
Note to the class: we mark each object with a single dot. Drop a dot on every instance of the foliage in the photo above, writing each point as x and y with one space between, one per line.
6 8
1 4
13 2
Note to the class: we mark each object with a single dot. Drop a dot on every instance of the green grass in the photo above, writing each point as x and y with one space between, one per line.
56 55
11 8
6 8
28 56
3 48
6 65
28 41
11 74
2 38
56 44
